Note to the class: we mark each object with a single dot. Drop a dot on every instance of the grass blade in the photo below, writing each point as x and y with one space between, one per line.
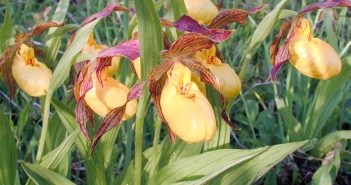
95 169
53 159
6 30
52 45
328 95
250 171
41 175
8 152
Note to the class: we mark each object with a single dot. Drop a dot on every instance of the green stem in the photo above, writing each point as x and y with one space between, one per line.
247 59
139 125
44 129
248 116
158 124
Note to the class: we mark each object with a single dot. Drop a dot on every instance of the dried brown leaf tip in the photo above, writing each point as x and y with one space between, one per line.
96 91
20 67
37 30
311 56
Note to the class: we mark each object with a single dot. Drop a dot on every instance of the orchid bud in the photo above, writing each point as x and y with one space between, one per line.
32 76
187 111
203 11
93 48
103 98
229 82
312 56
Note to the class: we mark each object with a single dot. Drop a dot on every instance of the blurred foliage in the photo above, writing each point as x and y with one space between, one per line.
296 109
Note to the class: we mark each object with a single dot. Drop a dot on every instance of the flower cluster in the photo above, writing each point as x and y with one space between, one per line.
178 84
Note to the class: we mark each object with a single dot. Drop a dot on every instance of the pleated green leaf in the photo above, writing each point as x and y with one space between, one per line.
41 175
8 152
252 170
205 166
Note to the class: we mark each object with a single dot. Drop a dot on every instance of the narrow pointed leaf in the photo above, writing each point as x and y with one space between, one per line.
94 169
53 43
53 158
41 175
6 30
8 153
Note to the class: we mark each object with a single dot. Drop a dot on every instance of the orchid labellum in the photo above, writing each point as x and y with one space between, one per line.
32 76
228 80
311 56
187 111
203 11
103 97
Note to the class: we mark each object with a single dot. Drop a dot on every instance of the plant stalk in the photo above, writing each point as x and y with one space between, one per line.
139 129
44 129
247 59
158 124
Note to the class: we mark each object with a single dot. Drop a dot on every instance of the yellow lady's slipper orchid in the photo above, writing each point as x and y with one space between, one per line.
111 94
188 112
203 11
312 56
32 76
93 48
229 81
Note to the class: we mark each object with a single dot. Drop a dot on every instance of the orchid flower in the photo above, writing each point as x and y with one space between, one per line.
311 56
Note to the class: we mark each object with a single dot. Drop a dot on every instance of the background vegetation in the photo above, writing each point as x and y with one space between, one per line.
311 118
